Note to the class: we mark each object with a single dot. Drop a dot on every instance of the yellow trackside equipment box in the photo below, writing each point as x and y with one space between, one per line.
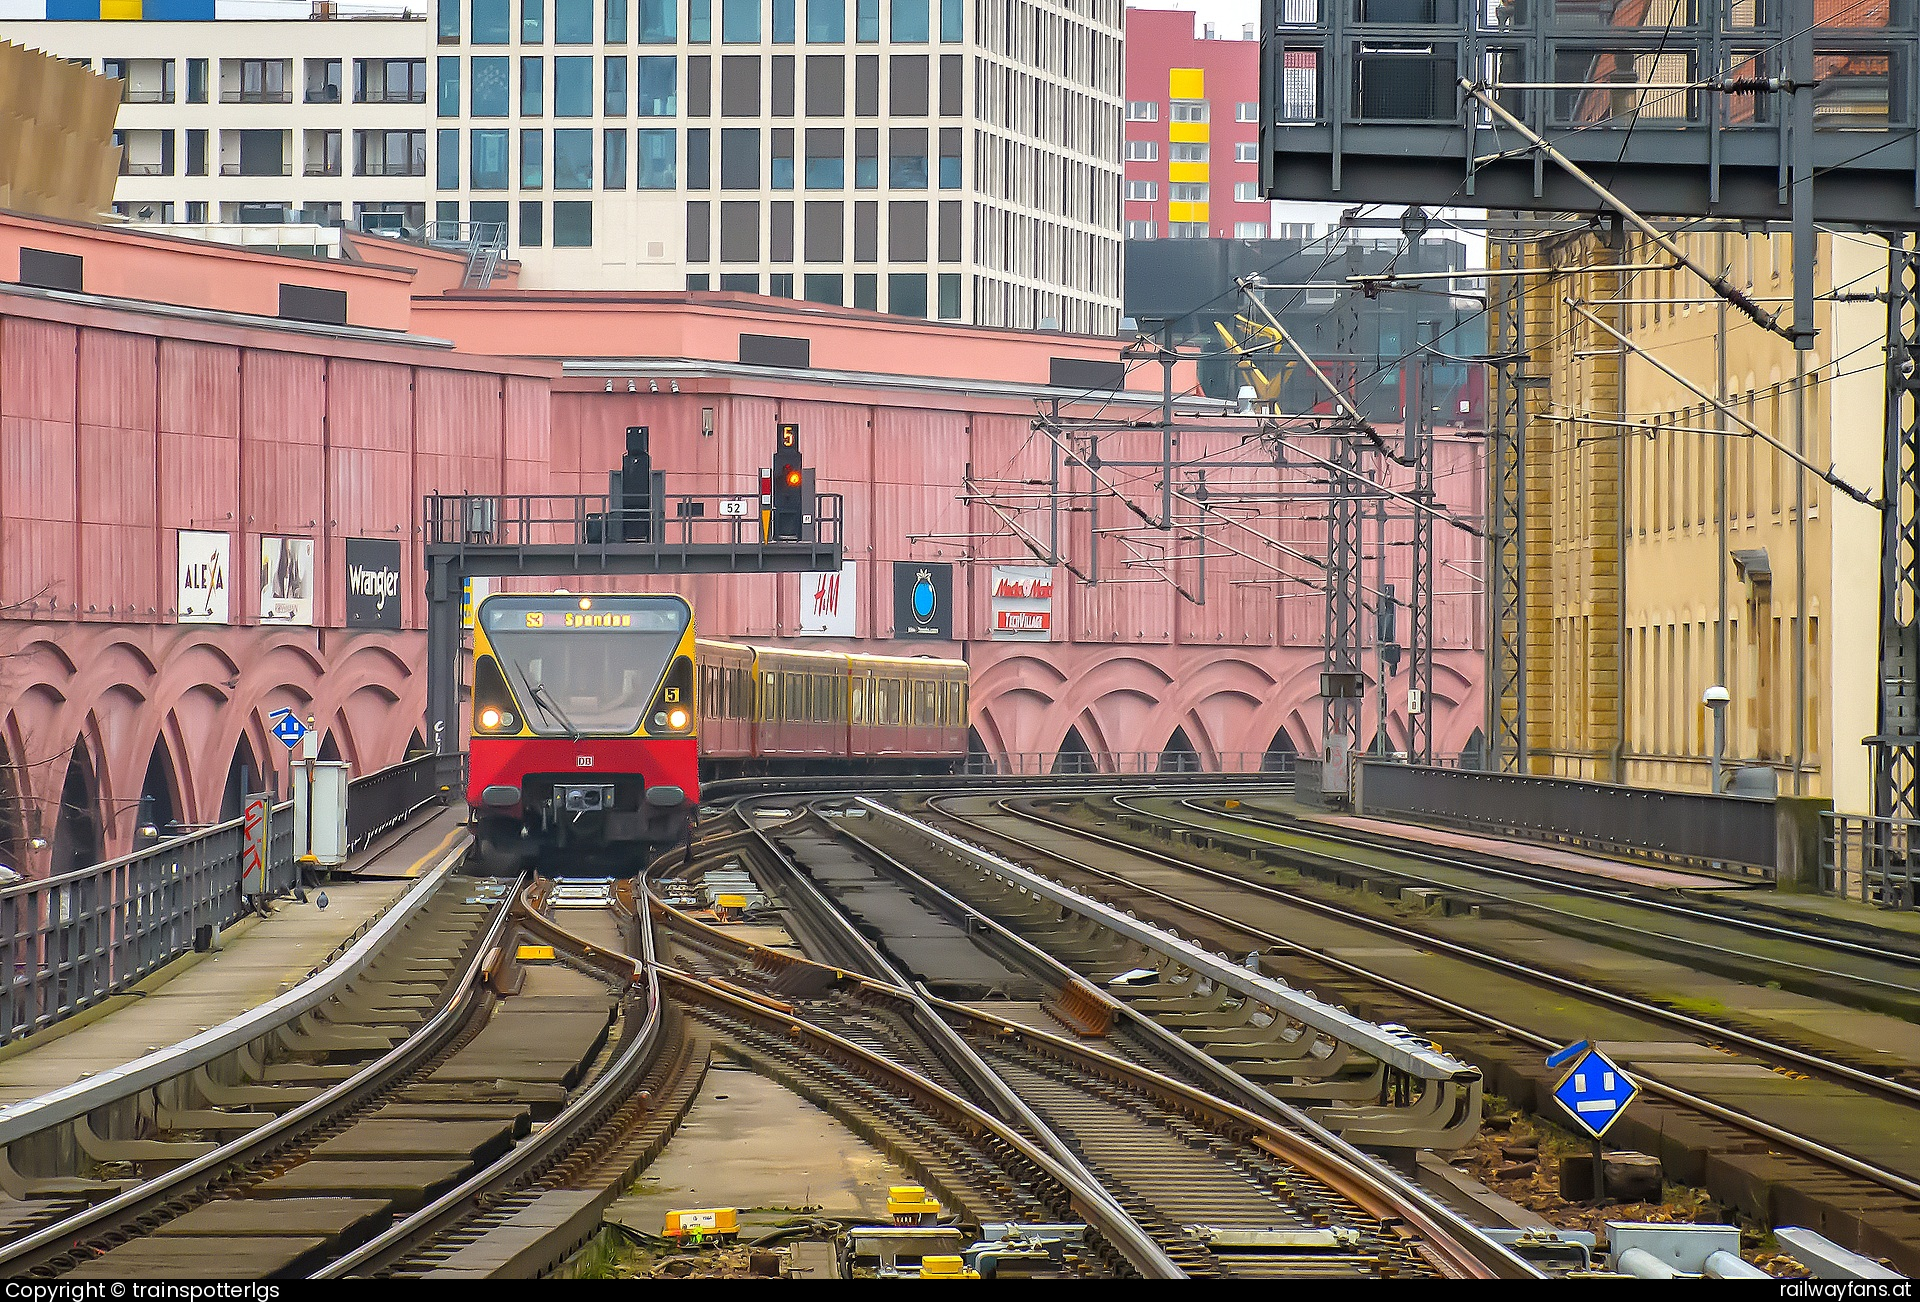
946 1268
909 1204
728 907
703 1223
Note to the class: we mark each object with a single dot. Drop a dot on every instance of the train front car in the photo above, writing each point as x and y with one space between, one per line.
584 748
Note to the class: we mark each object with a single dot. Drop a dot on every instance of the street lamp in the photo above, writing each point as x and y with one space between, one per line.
1716 698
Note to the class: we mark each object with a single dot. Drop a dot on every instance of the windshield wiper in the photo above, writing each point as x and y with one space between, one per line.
546 702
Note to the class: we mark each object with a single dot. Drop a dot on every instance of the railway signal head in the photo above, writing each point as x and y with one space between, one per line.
789 485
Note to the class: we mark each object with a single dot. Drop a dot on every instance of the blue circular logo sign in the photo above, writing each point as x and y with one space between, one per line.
923 598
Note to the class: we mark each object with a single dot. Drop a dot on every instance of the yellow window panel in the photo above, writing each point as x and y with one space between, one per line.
1186 212
1186 83
1182 133
120 10
1179 172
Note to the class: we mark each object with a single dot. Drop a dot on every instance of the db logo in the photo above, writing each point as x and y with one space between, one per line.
583 761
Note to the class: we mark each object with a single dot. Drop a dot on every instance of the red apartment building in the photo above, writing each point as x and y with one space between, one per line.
1192 166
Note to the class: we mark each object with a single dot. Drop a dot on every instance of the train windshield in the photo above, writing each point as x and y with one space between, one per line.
584 666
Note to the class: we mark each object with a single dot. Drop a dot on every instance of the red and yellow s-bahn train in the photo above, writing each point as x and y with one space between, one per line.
595 718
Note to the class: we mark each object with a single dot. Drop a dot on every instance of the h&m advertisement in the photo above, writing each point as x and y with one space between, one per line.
827 602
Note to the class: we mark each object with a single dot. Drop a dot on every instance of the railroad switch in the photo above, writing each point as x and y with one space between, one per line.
910 1204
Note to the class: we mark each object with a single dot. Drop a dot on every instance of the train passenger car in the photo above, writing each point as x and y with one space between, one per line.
725 701
801 705
584 745
908 709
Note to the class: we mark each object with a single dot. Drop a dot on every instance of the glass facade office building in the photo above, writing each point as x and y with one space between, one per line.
955 159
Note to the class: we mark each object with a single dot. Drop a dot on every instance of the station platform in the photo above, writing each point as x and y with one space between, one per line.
259 958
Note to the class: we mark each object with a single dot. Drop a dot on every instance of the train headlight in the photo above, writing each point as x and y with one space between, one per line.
677 719
493 719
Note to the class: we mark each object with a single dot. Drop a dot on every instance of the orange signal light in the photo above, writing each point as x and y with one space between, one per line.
793 477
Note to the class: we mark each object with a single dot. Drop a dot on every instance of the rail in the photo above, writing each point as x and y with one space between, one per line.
70 941
1868 859
582 1115
1695 828
1459 1095
138 1201
177 1060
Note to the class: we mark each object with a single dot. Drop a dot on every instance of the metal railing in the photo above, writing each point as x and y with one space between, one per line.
1868 859
1695 828
574 522
70 941
1048 763
242 169
256 96
382 801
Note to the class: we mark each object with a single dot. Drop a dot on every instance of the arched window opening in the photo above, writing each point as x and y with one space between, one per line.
1280 754
76 834
244 778
1073 757
15 827
979 759
1473 755
157 816
1178 755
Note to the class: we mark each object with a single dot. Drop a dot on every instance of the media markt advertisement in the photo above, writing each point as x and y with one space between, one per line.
827 602
1022 603
286 580
373 583
204 590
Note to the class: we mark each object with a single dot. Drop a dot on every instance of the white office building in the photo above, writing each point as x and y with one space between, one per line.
958 159
955 159
259 121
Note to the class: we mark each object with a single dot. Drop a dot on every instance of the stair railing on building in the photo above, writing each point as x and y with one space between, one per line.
484 243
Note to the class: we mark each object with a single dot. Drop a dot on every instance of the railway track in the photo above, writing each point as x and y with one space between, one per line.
1703 1140
1735 934
318 1091
1223 1190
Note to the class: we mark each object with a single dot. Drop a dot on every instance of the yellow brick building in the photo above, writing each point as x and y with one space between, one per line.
1670 550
